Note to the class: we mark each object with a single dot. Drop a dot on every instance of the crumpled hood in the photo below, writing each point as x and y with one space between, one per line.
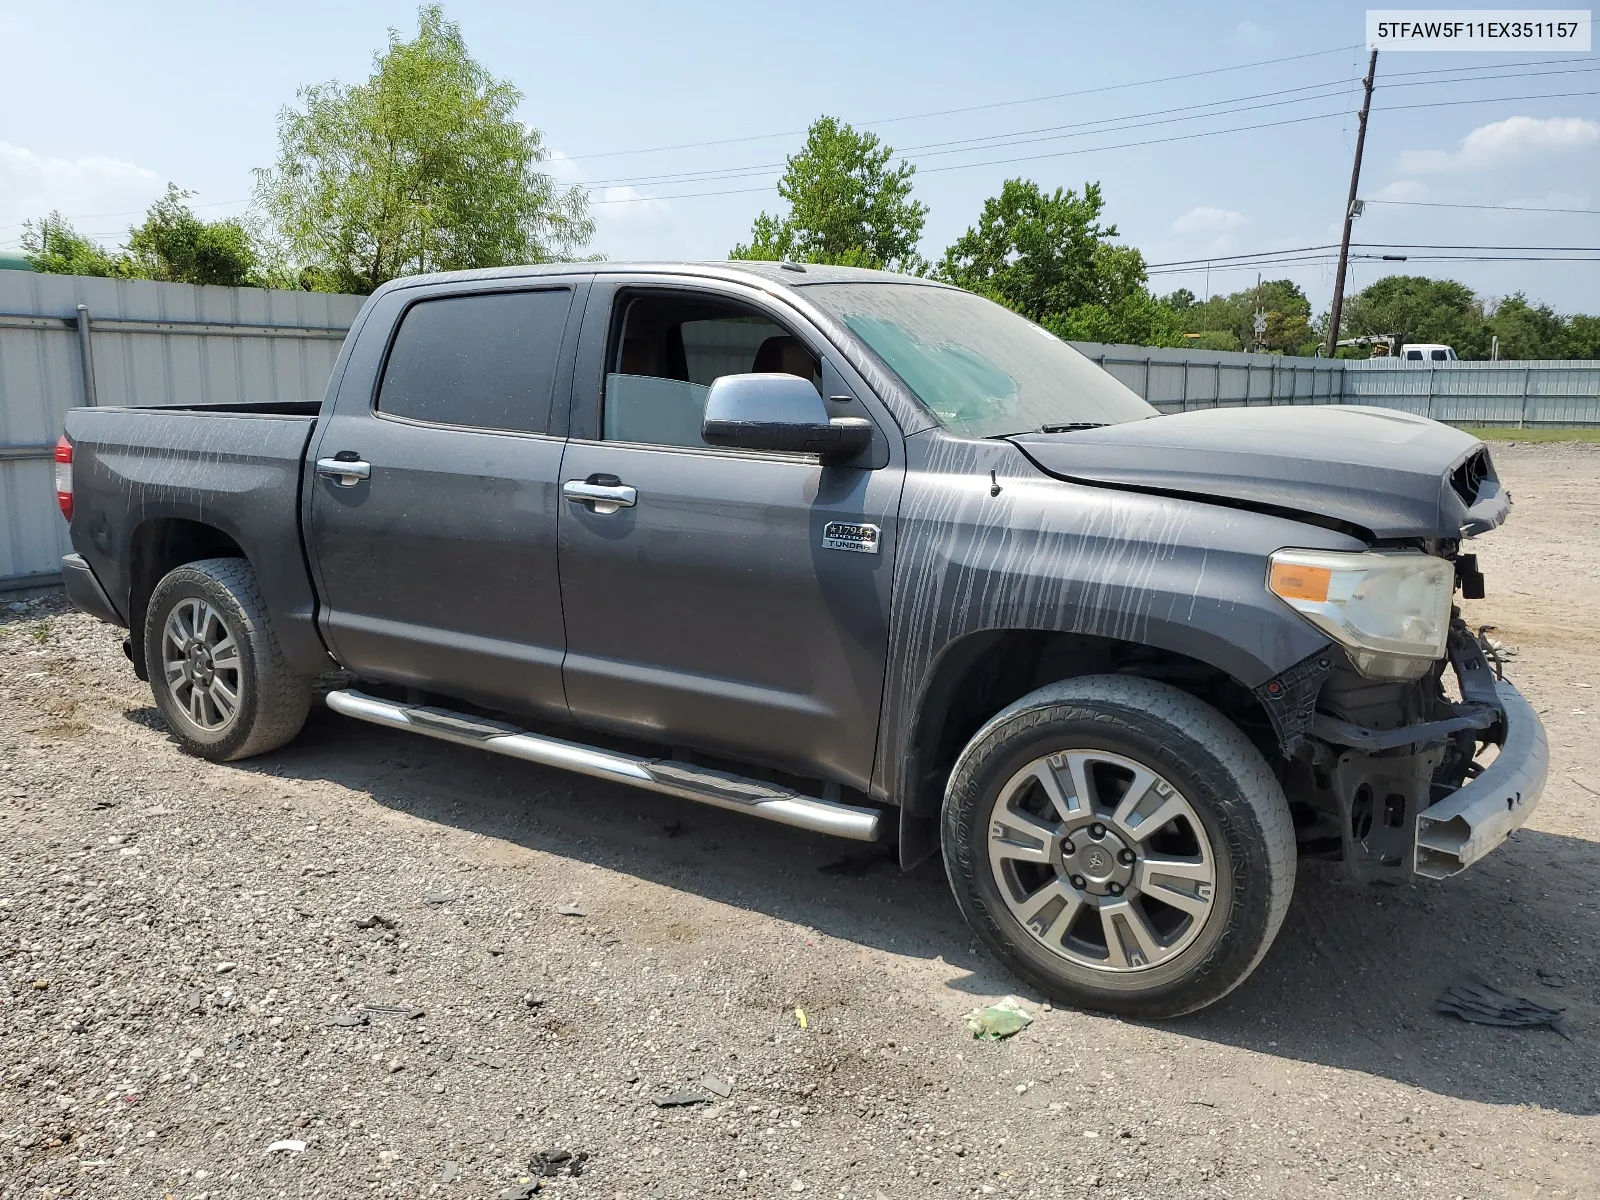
1389 473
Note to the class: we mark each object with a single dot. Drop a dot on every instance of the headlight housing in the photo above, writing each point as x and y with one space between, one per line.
1390 609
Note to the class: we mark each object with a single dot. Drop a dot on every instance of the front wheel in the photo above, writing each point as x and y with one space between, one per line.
215 666
1119 844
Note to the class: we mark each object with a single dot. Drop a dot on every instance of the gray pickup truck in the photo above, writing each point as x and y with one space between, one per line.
854 552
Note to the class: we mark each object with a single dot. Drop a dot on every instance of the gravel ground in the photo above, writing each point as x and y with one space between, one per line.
184 950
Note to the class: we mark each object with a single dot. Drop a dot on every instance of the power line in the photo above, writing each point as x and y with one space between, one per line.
1083 128
1593 212
947 112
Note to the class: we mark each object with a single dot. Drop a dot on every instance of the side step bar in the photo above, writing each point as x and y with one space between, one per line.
717 788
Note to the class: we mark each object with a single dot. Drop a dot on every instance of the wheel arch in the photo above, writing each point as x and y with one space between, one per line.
979 674
160 545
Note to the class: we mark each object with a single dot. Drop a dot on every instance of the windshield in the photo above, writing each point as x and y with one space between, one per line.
980 369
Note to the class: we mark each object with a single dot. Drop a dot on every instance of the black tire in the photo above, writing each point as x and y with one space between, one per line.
1219 776
271 701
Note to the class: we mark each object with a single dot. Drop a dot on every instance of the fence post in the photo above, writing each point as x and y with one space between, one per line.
1527 382
1146 393
1184 400
86 352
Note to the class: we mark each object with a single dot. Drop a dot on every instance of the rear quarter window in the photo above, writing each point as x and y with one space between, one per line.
487 361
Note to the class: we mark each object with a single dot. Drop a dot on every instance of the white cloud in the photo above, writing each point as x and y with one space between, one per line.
99 195
1502 142
1402 189
1206 219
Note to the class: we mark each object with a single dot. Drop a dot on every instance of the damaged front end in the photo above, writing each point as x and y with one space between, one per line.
1398 778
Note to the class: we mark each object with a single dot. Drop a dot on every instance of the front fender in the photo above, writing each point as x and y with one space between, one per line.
989 542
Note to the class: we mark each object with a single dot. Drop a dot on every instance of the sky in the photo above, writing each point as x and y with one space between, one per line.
1214 130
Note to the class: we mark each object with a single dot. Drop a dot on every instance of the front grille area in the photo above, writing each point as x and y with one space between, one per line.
1469 476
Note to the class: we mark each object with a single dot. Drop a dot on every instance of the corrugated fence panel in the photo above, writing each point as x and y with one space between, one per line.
1178 379
152 344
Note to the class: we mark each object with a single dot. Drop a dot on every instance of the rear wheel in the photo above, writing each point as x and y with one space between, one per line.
215 666
1119 844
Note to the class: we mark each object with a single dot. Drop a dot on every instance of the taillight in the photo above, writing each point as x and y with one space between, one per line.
64 476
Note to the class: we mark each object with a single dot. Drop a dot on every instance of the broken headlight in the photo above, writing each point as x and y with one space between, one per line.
1389 609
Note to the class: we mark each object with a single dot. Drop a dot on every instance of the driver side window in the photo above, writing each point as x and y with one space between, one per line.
667 350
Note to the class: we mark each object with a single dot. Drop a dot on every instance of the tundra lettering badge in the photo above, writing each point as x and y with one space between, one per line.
841 535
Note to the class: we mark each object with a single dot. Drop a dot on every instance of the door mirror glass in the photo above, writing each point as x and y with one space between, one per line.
780 412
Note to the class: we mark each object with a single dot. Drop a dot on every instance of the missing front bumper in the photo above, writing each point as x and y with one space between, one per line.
1460 829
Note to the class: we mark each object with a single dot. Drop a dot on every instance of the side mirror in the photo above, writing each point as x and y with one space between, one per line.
780 412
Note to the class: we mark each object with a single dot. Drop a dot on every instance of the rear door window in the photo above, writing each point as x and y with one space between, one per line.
487 361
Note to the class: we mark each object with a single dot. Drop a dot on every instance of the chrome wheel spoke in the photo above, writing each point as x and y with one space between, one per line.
1068 803
1140 816
1050 911
174 670
1130 942
223 698
1020 836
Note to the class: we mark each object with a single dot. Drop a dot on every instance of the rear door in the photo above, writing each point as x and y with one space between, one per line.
436 556
740 602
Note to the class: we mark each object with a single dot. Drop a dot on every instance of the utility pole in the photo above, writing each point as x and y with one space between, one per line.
1336 313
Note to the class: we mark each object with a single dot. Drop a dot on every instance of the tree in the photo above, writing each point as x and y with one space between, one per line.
1228 322
1583 337
175 246
1417 309
424 167
1528 330
1049 257
53 245
1033 252
846 206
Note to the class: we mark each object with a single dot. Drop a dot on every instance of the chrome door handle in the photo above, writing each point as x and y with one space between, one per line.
344 472
606 498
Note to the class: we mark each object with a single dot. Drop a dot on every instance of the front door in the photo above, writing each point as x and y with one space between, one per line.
733 601
437 563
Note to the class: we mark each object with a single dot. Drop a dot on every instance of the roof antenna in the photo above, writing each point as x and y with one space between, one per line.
994 485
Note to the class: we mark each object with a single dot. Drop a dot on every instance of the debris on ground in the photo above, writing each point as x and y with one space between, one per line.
236 1043
717 1087
520 1191
449 1172
549 1164
570 910
800 1015
1550 978
532 1001
1484 1004
194 1001
347 1020
438 898
374 920
680 1099
997 1021
287 1146
409 1011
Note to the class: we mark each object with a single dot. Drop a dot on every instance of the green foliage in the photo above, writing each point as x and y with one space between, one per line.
1227 322
1417 309
175 246
424 167
847 206
1528 331
1583 336
53 245
1050 257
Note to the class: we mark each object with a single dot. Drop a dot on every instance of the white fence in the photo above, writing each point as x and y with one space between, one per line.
70 340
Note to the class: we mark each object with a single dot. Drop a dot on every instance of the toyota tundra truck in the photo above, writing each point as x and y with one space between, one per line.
862 554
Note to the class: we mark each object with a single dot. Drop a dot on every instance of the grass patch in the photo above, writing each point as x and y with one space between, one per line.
1505 433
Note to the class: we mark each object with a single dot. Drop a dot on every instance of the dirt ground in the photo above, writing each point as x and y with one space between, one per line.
175 937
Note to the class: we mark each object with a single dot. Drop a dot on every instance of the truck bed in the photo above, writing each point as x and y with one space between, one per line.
151 484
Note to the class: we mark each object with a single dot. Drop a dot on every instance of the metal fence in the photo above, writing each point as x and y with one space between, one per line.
71 340
1522 394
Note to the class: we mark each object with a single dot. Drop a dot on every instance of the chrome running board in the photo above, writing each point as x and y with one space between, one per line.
717 788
